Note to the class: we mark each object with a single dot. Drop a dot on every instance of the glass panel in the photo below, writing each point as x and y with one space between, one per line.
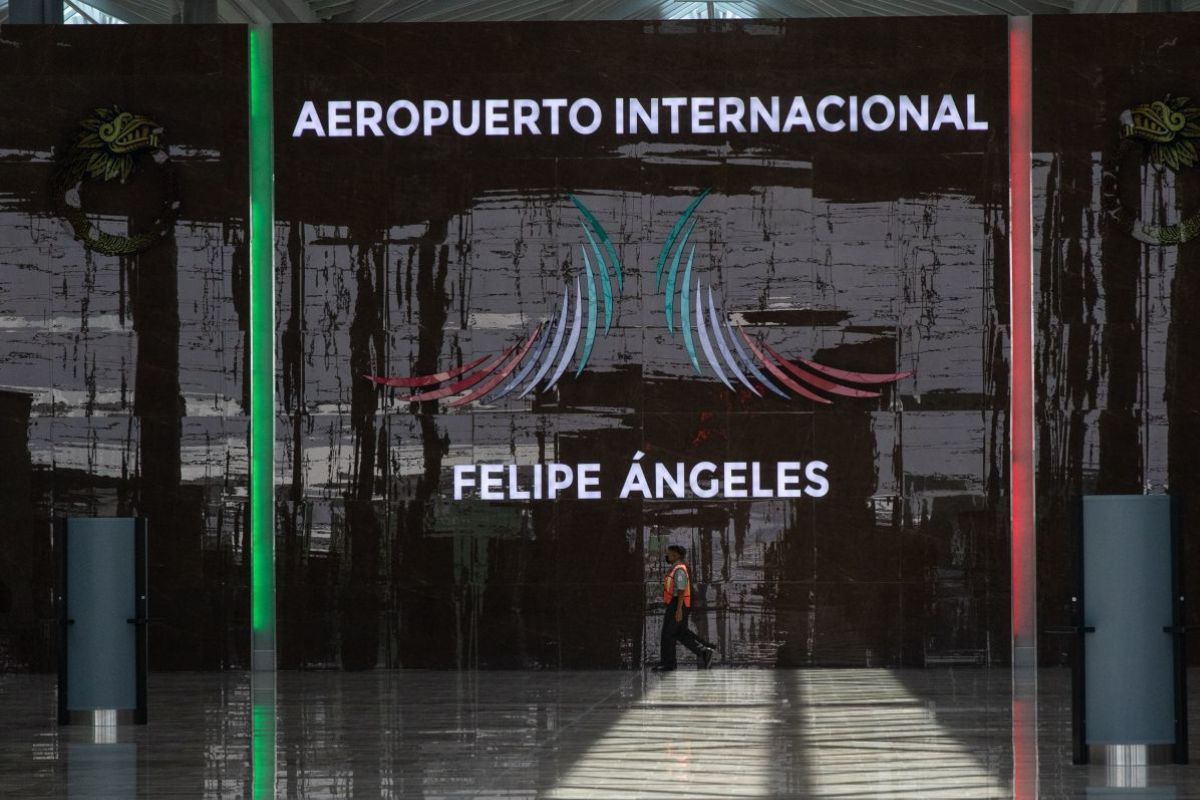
1127 599
101 644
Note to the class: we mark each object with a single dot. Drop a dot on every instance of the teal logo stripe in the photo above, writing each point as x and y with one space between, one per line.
685 312
669 296
606 285
590 336
604 238
670 243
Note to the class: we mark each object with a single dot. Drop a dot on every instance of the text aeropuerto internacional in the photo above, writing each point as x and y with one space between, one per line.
584 116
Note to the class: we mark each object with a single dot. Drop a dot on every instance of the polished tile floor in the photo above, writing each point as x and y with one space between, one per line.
852 733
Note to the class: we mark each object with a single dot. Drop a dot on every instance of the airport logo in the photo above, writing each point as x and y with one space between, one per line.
712 342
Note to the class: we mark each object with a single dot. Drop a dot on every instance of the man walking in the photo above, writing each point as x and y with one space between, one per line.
677 595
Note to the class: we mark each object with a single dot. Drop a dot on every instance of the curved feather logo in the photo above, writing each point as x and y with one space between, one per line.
543 356
700 319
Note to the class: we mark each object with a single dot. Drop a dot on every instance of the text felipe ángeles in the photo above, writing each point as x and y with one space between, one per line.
647 480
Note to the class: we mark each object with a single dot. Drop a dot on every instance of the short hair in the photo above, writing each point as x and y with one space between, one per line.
682 551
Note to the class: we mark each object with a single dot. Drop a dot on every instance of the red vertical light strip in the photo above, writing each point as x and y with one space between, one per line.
1020 145
1021 421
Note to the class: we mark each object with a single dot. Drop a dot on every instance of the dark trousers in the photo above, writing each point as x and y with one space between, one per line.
673 632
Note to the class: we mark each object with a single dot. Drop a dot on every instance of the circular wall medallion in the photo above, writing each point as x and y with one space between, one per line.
109 145
1167 131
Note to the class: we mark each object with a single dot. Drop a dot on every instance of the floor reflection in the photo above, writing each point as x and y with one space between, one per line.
827 733
888 734
721 733
262 736
689 734
102 769
1060 779
196 745
811 733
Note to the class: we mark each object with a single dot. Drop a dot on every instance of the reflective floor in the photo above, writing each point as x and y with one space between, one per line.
853 733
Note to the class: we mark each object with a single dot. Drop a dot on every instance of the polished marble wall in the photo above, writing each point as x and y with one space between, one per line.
122 386
880 252
122 379
1117 329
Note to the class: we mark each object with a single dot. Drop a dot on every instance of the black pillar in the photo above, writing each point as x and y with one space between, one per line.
197 12
35 12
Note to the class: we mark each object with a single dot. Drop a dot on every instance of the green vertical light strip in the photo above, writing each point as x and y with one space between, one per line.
262 353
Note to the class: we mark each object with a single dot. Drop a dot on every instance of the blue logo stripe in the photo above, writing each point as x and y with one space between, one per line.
702 329
724 348
569 350
749 363
528 366
558 335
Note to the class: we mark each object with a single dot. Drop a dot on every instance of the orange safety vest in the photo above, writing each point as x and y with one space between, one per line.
669 585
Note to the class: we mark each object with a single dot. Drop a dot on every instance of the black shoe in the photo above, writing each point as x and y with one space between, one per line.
706 657
663 668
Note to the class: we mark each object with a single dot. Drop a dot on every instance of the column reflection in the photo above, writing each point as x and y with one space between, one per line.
262 742
101 766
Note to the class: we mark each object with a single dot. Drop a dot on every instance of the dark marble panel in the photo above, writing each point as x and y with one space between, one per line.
879 253
1117 408
124 375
